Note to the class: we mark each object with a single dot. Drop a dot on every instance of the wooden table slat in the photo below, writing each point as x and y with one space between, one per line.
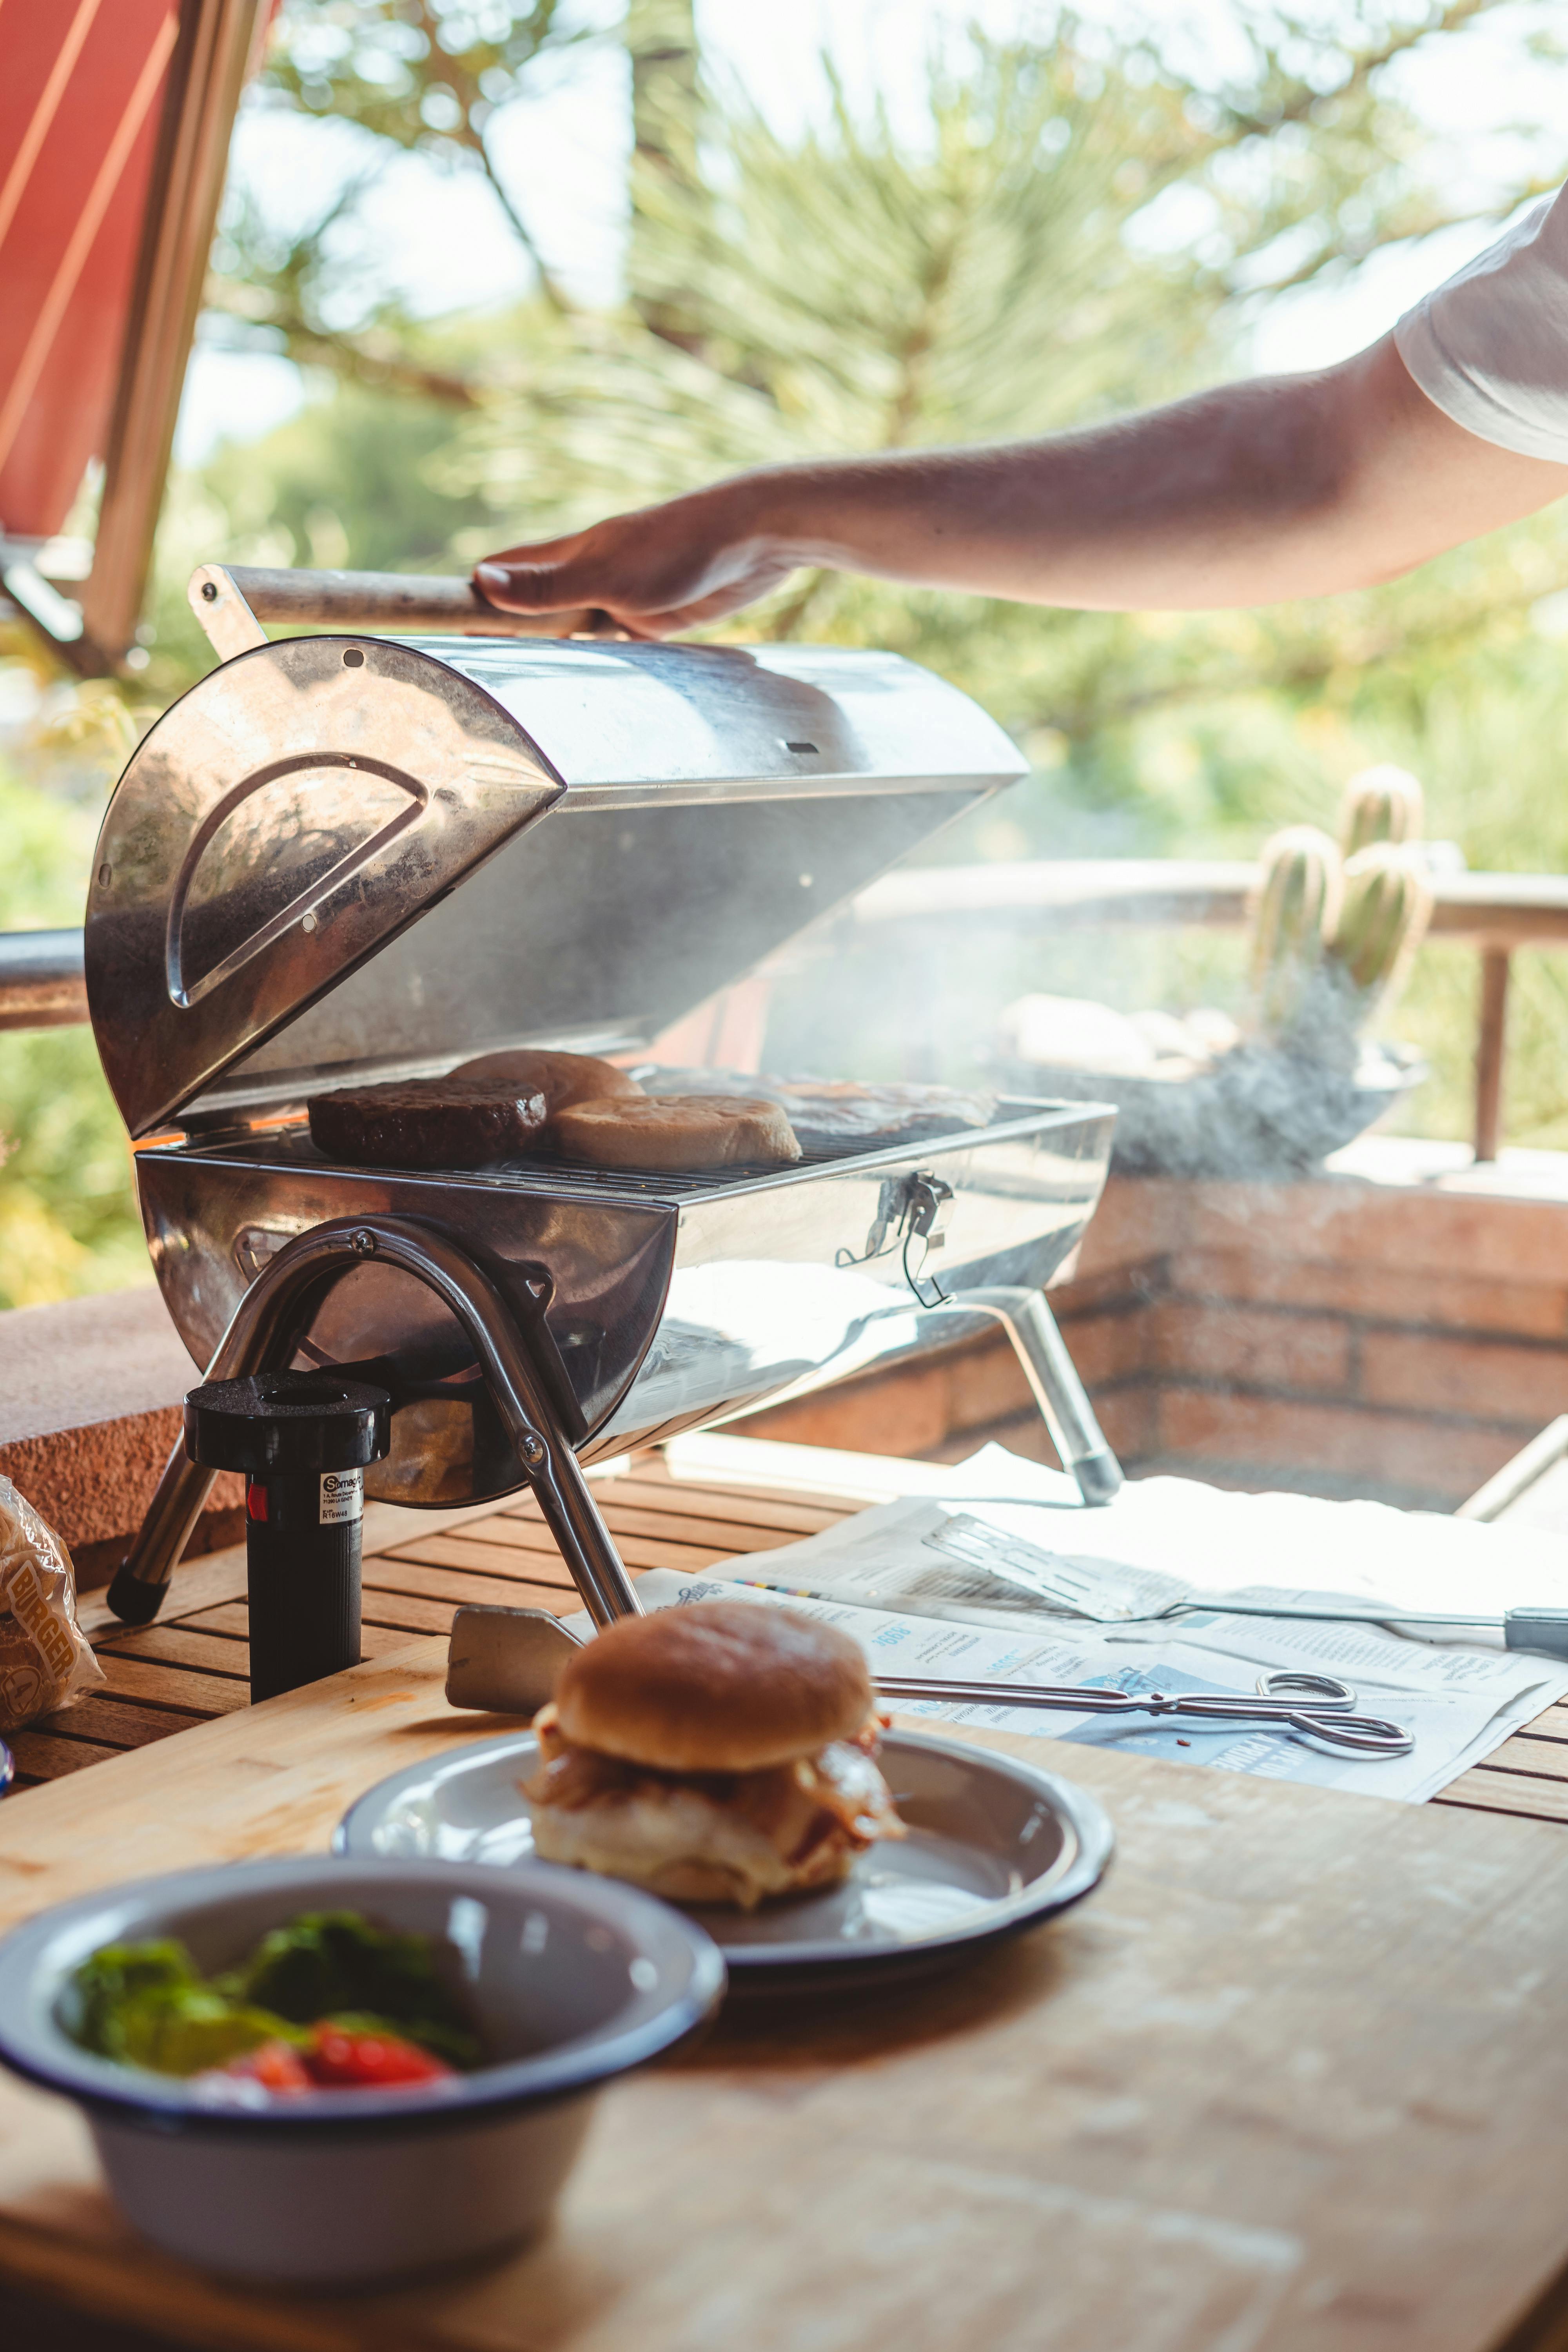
178 1644
226 1617
509 1557
1551 1726
724 1504
743 1498
181 1688
674 1526
112 1724
45 1756
547 1565
499 1562
435 1616
1544 1755
1537 1798
198 1583
388 1577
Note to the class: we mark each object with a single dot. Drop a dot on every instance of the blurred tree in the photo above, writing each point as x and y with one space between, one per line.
409 77
668 104
1068 238
68 1220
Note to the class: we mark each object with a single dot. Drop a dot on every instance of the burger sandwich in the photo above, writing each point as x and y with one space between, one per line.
719 1753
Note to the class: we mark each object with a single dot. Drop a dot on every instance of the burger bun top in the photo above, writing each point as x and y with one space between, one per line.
718 1686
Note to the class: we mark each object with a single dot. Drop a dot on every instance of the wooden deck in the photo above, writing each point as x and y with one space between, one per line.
193 1663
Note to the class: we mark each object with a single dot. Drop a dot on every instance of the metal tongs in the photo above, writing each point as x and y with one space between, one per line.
506 1660
1317 1708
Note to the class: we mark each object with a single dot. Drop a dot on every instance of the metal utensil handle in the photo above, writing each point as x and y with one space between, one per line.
264 1335
231 601
1543 1631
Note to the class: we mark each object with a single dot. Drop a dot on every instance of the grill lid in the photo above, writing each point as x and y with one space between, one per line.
328 859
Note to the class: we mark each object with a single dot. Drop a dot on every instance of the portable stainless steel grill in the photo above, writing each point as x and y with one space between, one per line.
348 857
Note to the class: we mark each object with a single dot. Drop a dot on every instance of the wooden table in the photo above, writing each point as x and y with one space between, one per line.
1296 2078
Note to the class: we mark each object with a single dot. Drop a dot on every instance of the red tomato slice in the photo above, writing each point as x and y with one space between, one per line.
342 2060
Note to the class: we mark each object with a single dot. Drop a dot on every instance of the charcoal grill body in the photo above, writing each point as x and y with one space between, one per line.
348 858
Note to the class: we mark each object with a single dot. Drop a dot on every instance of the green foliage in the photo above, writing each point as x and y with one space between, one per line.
408 76
69 1220
344 485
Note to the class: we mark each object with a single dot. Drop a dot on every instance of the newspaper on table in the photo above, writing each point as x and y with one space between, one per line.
940 1585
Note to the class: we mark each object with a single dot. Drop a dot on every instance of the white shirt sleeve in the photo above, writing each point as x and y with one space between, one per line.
1490 347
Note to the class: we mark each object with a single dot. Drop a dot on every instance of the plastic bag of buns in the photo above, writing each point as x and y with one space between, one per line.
45 1660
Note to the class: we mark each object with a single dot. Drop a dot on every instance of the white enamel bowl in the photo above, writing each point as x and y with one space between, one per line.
571 1979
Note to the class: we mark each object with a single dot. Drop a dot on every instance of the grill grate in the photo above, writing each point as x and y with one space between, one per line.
575 1179
674 1183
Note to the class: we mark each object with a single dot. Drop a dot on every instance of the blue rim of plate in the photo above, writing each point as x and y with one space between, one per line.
8 1767
1089 1844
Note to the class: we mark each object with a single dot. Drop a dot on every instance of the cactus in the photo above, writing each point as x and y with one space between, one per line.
1297 911
1382 921
1383 803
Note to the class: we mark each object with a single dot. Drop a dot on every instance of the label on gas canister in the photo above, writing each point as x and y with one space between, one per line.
342 1496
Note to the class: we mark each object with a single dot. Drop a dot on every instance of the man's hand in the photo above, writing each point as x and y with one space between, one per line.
654 572
1286 486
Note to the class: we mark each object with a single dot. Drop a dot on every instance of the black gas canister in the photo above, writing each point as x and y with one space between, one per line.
303 1441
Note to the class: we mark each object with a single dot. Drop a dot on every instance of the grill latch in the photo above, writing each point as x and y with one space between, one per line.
913 1210
927 1205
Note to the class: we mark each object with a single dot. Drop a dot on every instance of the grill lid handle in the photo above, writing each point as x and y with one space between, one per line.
232 601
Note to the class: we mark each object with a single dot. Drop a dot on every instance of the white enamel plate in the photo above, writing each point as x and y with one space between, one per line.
993 1845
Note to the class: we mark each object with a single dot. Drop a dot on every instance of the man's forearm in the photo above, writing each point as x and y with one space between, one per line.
1225 498
1279 488
1254 493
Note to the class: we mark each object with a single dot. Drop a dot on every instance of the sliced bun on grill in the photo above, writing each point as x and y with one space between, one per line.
677 1131
719 1753
718 1687
429 1123
560 1078
828 1111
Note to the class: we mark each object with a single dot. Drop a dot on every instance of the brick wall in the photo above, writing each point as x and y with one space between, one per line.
90 1410
1383 1331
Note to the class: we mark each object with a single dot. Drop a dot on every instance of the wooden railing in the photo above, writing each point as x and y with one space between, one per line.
41 983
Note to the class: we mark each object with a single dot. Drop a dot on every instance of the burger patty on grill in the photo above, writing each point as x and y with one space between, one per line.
428 1123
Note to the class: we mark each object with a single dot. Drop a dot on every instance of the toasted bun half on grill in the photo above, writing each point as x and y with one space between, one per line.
560 1078
719 1753
676 1131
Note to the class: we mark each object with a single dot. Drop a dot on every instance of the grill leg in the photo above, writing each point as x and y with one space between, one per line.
136 1594
1058 1391
264 1335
